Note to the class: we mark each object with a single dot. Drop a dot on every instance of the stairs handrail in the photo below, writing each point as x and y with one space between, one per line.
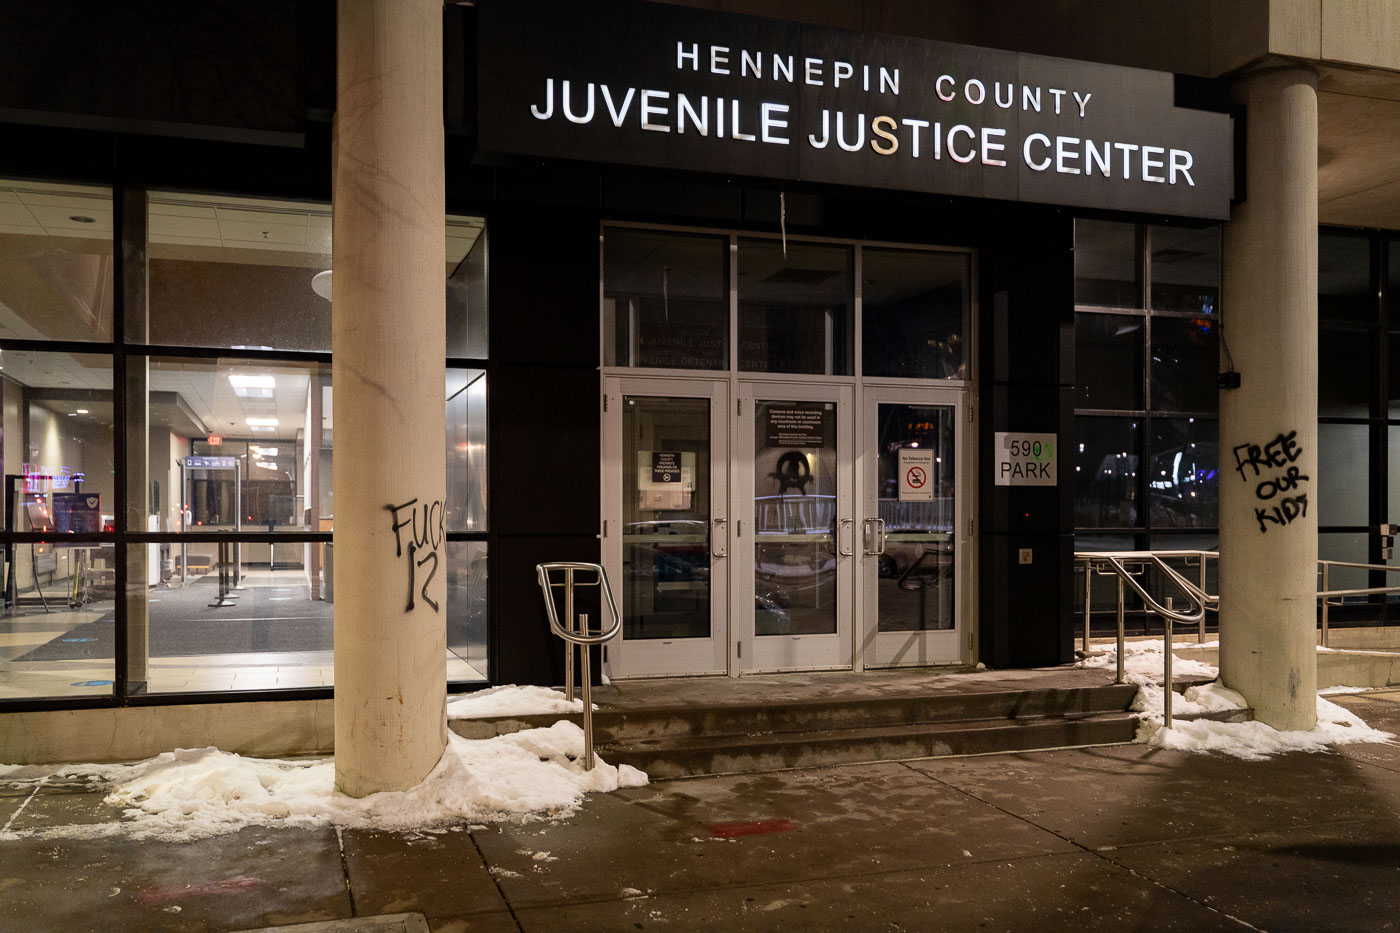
579 636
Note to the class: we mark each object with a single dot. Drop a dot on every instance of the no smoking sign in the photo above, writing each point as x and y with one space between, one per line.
915 475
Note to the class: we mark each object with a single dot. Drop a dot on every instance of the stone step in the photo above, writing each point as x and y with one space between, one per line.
674 757
637 725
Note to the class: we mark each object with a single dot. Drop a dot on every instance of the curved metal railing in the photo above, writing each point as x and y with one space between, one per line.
575 632
1116 563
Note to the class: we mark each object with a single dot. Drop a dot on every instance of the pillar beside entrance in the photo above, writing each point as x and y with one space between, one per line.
388 353
1268 426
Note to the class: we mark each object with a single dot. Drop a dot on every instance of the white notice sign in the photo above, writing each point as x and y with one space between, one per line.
915 475
1025 459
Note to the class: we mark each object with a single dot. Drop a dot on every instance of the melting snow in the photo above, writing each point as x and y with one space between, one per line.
1142 665
194 793
510 700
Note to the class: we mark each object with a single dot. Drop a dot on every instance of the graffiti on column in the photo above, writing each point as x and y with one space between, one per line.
425 525
1278 482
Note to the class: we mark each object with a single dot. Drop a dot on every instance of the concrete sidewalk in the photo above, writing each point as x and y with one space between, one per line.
1121 838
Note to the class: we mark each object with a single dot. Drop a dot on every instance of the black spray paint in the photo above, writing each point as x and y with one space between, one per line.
1282 486
427 531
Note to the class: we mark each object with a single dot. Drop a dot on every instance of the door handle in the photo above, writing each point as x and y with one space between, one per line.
719 538
841 548
874 534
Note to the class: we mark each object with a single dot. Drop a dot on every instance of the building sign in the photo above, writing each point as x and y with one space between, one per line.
915 475
664 86
799 424
1024 459
211 463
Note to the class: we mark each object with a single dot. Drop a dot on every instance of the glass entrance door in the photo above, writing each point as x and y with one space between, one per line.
793 544
913 537
665 535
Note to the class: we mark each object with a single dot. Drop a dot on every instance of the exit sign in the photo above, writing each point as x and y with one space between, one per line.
215 440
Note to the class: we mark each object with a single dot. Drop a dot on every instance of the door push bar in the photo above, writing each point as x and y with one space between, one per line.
575 631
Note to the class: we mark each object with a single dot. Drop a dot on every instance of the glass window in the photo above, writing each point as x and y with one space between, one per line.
466 287
1344 291
1343 480
1106 268
466 610
1393 385
1108 360
665 299
795 307
466 450
1185 269
58 627
56 411
56 271
1345 373
915 305
1183 473
1353 548
1185 358
235 445
1105 472
241 273
1393 480
239 616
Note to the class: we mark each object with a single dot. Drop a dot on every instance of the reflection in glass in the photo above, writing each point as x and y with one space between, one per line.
1344 290
235 445
795 307
1108 360
794 518
466 287
916 308
665 299
466 450
235 272
1345 372
1185 357
1186 269
56 274
1183 480
1352 548
1343 481
1105 472
1106 269
466 610
666 517
916 572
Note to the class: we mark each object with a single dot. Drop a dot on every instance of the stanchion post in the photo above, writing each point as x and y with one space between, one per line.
1088 600
1167 663
1119 678
569 624
1325 588
587 697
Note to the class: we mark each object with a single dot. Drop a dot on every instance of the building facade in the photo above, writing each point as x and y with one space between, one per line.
831 330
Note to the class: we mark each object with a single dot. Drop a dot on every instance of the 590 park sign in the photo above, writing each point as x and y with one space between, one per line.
663 86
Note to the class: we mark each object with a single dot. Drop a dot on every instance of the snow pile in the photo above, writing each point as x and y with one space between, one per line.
510 700
1145 657
195 793
1341 689
1252 741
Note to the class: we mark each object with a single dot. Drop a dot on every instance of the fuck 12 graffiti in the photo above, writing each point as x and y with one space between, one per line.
1281 485
426 526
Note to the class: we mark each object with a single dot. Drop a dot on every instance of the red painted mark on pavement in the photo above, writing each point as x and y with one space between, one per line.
759 828
174 892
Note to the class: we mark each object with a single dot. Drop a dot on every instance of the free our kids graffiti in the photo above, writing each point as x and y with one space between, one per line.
1281 488
425 538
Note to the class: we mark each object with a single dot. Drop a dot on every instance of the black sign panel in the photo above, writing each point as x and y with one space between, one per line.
663 86
665 467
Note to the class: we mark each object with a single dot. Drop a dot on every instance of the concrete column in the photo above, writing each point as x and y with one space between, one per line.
1268 426
388 344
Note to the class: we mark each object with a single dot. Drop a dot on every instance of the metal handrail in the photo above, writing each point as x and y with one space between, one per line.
1116 563
578 637
1326 595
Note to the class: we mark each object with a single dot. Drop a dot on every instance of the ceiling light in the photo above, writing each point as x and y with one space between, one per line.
263 451
321 284
262 424
250 381
82 411
265 466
